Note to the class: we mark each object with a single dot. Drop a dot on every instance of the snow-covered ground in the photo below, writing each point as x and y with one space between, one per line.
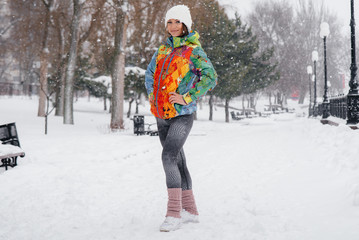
279 178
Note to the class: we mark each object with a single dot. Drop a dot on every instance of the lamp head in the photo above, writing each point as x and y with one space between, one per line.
309 70
315 56
324 30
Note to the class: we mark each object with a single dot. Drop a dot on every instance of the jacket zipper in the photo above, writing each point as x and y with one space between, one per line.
160 78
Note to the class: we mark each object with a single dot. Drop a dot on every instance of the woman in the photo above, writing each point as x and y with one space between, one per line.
179 74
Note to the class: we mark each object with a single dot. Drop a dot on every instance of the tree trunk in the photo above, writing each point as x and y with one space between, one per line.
270 101
210 107
47 112
279 98
138 102
243 107
129 107
110 108
43 83
301 96
251 101
71 66
284 100
60 84
226 109
118 71
44 61
104 103
27 83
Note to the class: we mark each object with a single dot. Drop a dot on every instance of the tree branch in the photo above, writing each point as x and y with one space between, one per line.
8 27
93 23
46 4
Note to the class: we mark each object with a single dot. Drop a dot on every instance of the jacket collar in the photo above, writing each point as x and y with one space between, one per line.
190 39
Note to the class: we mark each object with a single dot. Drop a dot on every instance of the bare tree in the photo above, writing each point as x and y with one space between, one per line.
273 23
70 71
60 24
24 45
44 58
294 34
144 18
93 9
118 71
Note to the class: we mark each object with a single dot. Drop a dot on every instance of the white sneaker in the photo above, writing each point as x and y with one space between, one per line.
188 217
170 224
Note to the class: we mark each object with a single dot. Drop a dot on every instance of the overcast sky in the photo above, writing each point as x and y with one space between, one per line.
341 7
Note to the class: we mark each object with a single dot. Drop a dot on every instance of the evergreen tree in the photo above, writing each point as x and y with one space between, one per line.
241 68
261 74
134 87
215 33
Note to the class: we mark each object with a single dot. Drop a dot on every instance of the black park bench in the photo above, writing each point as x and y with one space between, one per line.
10 148
236 117
139 126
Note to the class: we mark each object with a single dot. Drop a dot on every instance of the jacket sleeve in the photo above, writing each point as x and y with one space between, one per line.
208 76
149 74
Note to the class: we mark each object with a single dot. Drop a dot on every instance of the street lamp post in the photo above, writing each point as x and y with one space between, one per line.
324 32
310 71
353 96
315 59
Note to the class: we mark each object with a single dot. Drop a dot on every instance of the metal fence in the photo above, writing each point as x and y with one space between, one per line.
337 107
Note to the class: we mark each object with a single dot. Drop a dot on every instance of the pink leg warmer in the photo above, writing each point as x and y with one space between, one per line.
174 205
188 202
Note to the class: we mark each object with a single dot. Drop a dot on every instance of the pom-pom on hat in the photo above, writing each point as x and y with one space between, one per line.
182 13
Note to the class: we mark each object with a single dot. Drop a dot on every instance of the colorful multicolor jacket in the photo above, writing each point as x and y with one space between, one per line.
180 65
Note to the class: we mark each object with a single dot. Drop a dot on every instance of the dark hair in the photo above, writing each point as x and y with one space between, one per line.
184 31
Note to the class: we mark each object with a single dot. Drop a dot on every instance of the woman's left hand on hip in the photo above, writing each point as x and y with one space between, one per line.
176 98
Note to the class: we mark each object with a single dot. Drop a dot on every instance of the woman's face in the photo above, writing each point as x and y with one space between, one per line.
174 27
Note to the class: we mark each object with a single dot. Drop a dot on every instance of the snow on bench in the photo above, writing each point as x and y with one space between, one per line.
9 154
10 148
7 151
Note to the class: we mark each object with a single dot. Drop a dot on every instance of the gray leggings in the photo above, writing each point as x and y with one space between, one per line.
173 134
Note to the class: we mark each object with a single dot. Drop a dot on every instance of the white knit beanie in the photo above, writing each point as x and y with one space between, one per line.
182 13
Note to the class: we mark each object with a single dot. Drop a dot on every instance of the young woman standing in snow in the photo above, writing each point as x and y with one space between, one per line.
178 75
